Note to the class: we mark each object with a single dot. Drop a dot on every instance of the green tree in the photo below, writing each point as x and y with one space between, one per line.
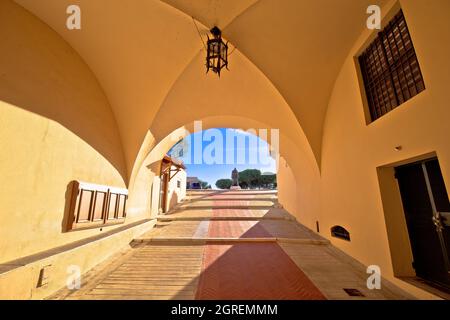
224 183
267 180
249 178
205 185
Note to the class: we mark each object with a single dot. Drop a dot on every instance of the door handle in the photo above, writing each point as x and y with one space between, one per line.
441 220
444 218
437 221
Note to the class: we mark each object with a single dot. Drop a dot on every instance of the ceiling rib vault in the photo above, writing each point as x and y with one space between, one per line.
299 45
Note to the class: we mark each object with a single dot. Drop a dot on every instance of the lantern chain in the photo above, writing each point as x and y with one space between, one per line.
204 45
198 31
234 48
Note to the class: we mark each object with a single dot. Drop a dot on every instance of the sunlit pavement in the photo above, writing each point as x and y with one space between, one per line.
229 245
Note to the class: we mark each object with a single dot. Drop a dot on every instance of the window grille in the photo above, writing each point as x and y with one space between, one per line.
390 69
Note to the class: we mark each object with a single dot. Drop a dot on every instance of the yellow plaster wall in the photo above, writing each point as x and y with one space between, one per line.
175 194
38 159
140 196
287 186
21 282
145 182
55 126
41 73
352 151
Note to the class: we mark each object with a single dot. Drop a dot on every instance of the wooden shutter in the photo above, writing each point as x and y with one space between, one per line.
93 206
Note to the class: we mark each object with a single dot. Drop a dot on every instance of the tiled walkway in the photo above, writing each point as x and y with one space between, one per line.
229 245
252 271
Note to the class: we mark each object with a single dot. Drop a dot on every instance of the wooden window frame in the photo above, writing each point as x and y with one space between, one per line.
390 69
85 200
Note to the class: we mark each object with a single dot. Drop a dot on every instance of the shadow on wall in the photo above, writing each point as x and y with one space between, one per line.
54 82
173 200
68 197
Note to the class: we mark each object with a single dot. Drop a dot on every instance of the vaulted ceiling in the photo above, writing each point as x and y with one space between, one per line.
138 49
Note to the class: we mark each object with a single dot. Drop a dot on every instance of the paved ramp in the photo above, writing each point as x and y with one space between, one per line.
228 245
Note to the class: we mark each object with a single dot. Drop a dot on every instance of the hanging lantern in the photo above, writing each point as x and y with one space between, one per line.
217 52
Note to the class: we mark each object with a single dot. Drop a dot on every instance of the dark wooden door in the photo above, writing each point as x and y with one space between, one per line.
163 192
427 207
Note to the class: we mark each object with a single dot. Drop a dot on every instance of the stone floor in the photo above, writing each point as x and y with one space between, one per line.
229 245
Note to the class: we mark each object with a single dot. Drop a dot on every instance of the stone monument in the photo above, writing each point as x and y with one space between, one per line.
235 180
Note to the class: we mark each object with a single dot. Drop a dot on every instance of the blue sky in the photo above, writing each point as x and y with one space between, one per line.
226 147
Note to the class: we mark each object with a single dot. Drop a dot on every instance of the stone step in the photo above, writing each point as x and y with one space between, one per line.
218 218
230 192
217 207
203 240
215 198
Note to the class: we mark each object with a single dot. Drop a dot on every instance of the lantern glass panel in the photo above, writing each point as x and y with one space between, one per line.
223 51
216 48
217 54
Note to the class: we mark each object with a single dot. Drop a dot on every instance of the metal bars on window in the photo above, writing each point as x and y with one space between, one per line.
390 69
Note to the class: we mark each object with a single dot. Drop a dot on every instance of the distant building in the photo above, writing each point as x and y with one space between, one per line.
172 183
193 183
179 150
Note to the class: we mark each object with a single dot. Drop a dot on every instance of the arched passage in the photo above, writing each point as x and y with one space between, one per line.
243 98
137 77
99 104
295 166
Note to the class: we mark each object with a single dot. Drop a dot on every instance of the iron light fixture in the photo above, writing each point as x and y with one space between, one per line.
217 52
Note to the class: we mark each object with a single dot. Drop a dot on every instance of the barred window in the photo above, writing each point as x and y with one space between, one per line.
390 69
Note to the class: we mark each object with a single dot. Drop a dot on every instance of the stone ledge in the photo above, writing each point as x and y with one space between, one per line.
19 278
8 266
231 207
272 198
203 218
216 239
201 240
